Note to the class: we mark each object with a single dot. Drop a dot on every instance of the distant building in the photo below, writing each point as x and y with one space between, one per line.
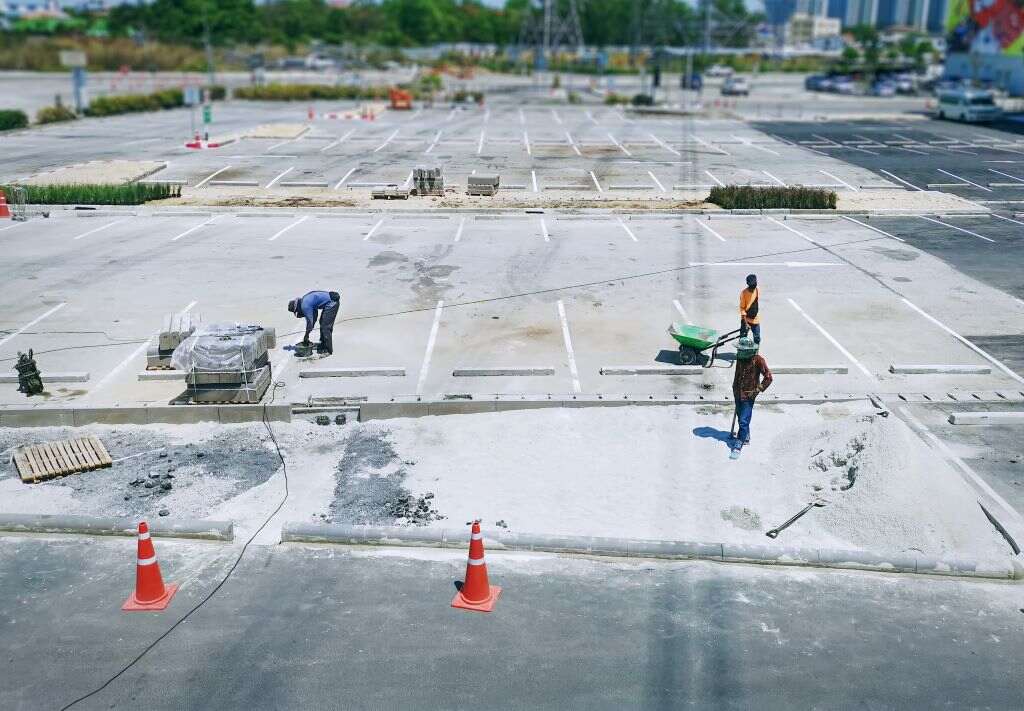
984 44
936 16
805 30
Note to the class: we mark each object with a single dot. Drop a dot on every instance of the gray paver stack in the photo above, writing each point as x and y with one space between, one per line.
428 181
227 363
483 184
176 328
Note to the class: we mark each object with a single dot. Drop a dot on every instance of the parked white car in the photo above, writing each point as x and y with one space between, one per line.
970 105
719 70
736 86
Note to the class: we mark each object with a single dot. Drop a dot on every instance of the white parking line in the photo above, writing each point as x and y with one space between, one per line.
436 139
664 145
342 181
619 145
335 143
657 182
774 178
11 227
458 232
487 115
554 114
294 224
988 190
711 175
408 180
387 140
33 322
596 184
873 229
798 233
958 229
573 371
999 364
373 229
833 341
533 175
1016 222
709 229
284 143
284 173
544 230
451 115
708 145
839 145
99 229
480 143
896 177
211 176
522 118
628 231
430 348
568 137
949 454
1006 174
751 144
190 230
912 150
106 379
838 180
681 310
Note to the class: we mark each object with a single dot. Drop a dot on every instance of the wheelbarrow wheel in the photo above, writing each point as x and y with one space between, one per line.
688 356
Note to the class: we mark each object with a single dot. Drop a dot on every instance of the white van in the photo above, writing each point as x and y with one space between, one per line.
971 105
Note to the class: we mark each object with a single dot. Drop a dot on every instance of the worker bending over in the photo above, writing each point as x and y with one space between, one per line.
749 318
308 306
752 378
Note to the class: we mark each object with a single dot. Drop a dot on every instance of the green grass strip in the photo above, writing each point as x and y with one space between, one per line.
83 194
749 197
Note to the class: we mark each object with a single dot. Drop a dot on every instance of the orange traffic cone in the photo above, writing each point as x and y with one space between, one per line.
476 593
4 210
310 113
150 591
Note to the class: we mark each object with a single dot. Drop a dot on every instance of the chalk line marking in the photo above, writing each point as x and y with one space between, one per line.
430 349
573 371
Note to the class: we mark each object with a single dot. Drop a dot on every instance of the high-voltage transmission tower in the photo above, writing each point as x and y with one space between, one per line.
550 25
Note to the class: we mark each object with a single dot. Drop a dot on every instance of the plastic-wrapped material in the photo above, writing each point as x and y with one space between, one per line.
221 348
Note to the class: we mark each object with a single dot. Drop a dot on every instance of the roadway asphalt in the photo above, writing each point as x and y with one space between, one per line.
329 628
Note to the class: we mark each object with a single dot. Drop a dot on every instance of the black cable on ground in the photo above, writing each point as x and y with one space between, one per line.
227 576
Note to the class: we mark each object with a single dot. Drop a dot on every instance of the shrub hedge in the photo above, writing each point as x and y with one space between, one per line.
311 92
55 114
84 194
133 103
10 119
749 197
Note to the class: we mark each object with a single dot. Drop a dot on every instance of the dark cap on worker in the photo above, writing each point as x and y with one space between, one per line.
751 280
293 306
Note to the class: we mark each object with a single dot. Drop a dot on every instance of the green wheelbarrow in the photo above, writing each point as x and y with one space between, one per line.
694 340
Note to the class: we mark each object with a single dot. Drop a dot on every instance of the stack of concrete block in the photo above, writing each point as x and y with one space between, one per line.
483 184
389 192
176 328
245 381
427 181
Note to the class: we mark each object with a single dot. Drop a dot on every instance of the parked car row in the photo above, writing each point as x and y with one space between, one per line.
887 84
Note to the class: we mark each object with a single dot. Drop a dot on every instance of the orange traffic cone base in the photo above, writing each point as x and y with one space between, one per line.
483 606
133 605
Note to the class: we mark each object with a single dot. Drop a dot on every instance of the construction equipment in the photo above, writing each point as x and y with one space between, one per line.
30 380
694 340
401 100
483 184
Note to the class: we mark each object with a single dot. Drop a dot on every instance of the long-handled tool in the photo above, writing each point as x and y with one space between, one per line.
774 533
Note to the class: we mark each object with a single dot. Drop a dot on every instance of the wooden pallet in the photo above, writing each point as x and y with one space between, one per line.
39 462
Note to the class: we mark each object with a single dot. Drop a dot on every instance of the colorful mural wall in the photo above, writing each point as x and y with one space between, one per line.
986 26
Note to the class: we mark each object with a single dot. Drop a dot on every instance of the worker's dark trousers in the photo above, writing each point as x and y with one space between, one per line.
744 411
754 328
327 316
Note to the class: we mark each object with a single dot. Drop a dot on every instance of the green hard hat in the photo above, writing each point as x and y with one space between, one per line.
746 348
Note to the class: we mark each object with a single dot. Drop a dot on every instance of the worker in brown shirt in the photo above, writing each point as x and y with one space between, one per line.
749 308
752 378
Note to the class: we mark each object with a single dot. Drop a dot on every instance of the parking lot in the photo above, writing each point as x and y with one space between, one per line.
556 300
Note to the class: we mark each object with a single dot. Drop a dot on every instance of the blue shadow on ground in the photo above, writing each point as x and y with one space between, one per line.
711 433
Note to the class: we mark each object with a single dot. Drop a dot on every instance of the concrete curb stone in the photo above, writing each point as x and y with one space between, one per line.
108 526
301 532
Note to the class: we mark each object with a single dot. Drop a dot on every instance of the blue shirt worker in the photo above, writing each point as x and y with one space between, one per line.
322 303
